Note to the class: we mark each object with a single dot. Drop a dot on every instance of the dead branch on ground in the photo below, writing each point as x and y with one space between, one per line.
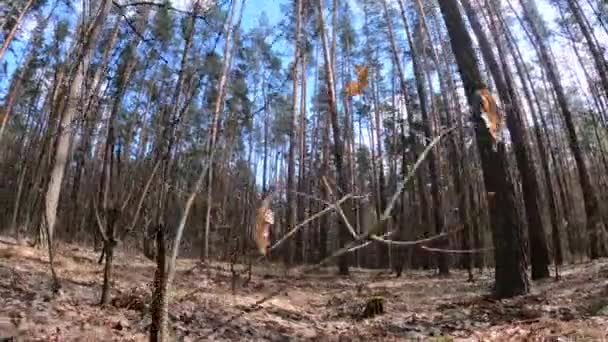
366 236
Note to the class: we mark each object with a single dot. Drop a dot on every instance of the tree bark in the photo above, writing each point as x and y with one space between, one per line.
338 146
433 163
539 255
510 275
291 157
75 80
595 224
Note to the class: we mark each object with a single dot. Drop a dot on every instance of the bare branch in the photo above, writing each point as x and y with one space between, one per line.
167 6
339 210
411 243
127 198
303 223
458 251
141 199
363 245
100 224
350 246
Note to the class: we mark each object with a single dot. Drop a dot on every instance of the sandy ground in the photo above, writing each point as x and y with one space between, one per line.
321 307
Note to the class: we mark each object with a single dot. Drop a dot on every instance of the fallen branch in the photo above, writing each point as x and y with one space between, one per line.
414 242
339 210
318 199
363 245
387 212
305 222
458 251
366 236
408 243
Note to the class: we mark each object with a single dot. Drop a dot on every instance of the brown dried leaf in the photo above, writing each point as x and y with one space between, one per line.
263 220
489 113
354 88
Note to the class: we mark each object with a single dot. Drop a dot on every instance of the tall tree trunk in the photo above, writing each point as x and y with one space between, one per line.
510 275
539 255
107 195
302 177
291 158
598 57
595 224
422 96
543 156
343 187
447 88
165 271
228 52
75 81
91 114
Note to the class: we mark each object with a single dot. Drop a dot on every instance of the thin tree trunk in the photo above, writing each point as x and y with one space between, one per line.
598 58
11 34
338 146
303 203
433 164
228 52
291 158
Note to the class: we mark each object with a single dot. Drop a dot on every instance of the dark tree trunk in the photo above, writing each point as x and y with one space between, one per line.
539 255
160 279
510 274
595 223
109 246
530 95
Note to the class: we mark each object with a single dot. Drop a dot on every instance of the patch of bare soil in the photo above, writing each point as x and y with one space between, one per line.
322 306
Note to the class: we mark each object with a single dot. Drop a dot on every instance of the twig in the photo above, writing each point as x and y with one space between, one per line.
100 223
142 199
166 6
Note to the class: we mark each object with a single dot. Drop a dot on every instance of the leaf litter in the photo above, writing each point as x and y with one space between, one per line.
322 306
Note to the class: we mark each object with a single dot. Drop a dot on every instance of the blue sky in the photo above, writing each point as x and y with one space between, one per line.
253 10
569 67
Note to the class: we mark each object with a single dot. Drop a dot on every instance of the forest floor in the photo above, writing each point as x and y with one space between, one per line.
419 305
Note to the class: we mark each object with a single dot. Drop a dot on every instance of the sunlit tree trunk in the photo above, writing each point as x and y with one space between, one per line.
338 149
291 158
